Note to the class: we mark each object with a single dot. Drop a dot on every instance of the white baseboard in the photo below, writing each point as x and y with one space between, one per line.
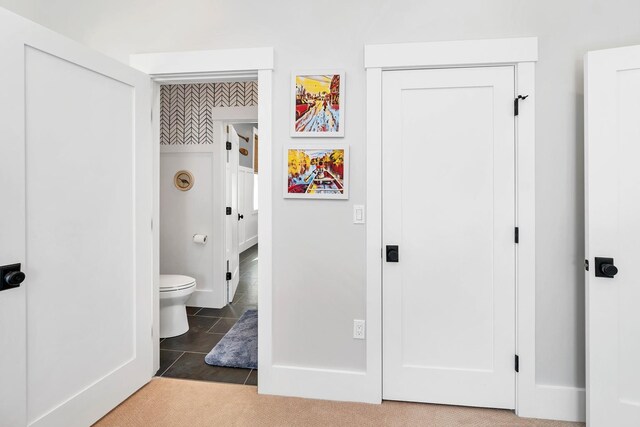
248 244
557 403
207 299
551 402
316 383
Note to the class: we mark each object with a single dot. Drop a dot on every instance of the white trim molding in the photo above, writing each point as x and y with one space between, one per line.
451 53
212 66
186 65
532 400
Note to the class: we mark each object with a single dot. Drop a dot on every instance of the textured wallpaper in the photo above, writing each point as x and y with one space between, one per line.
186 110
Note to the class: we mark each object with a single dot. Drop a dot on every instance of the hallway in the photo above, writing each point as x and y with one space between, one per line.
169 402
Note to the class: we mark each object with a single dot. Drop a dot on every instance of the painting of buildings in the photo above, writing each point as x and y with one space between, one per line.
317 172
318 108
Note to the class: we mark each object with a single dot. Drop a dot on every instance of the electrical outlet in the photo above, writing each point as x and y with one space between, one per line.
358 329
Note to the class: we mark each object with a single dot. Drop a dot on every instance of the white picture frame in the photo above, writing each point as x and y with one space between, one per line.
308 96
309 185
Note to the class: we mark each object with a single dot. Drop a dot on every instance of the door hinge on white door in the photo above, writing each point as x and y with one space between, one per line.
517 363
516 236
516 103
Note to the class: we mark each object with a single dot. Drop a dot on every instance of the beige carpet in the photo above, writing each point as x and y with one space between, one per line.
171 402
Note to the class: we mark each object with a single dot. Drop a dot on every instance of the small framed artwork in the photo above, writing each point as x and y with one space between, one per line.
316 171
317 104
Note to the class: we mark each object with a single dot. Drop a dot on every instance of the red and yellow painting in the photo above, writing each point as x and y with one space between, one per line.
318 105
316 172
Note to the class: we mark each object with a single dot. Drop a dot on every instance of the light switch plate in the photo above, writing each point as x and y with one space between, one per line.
358 214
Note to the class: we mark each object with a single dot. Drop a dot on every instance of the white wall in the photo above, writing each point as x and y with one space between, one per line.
313 308
185 213
246 129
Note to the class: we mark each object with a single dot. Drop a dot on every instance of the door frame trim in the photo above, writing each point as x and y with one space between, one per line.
211 66
522 53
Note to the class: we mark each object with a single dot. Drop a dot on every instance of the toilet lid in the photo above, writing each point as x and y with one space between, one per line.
175 282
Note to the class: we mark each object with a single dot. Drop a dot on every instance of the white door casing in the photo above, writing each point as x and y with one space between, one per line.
449 203
231 231
248 231
75 167
612 185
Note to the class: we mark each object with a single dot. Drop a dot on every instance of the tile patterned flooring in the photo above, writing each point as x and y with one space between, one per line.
183 356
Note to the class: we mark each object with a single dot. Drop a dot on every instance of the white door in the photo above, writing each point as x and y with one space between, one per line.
243 187
231 185
448 204
612 159
75 183
248 225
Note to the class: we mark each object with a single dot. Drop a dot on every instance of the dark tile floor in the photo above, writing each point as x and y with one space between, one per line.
183 356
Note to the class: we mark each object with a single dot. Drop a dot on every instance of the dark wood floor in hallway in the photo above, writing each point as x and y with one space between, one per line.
183 356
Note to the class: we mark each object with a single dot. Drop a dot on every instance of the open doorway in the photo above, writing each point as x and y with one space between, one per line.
208 235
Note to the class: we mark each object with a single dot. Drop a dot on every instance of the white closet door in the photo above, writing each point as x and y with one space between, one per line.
231 232
75 174
449 206
612 159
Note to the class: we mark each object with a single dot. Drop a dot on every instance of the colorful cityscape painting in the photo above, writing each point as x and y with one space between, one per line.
317 172
318 108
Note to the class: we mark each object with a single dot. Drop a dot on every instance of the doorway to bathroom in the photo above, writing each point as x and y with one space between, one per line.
208 216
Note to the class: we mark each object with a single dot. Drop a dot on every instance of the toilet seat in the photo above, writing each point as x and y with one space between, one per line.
175 282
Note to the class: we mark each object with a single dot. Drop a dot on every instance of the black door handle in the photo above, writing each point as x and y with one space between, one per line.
393 253
240 217
605 267
11 276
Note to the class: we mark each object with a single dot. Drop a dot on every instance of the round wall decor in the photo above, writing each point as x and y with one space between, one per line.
183 180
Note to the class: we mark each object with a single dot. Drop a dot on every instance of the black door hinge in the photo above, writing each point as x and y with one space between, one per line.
516 236
516 103
517 363
229 146
586 265
228 210
228 276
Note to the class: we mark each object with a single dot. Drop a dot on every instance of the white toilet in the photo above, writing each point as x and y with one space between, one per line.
175 290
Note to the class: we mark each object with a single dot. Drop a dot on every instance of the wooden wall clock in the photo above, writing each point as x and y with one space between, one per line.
183 180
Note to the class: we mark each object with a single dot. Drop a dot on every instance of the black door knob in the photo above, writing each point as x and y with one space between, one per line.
393 253
14 278
605 267
608 270
10 276
240 216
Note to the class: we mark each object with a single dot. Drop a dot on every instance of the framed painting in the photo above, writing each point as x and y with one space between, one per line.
317 104
316 171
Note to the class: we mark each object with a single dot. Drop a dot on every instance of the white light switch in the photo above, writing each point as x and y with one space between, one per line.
358 214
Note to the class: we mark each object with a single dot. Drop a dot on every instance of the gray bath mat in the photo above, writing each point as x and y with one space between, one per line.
239 347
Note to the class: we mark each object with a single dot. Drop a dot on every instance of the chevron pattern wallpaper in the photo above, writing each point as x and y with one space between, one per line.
186 111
